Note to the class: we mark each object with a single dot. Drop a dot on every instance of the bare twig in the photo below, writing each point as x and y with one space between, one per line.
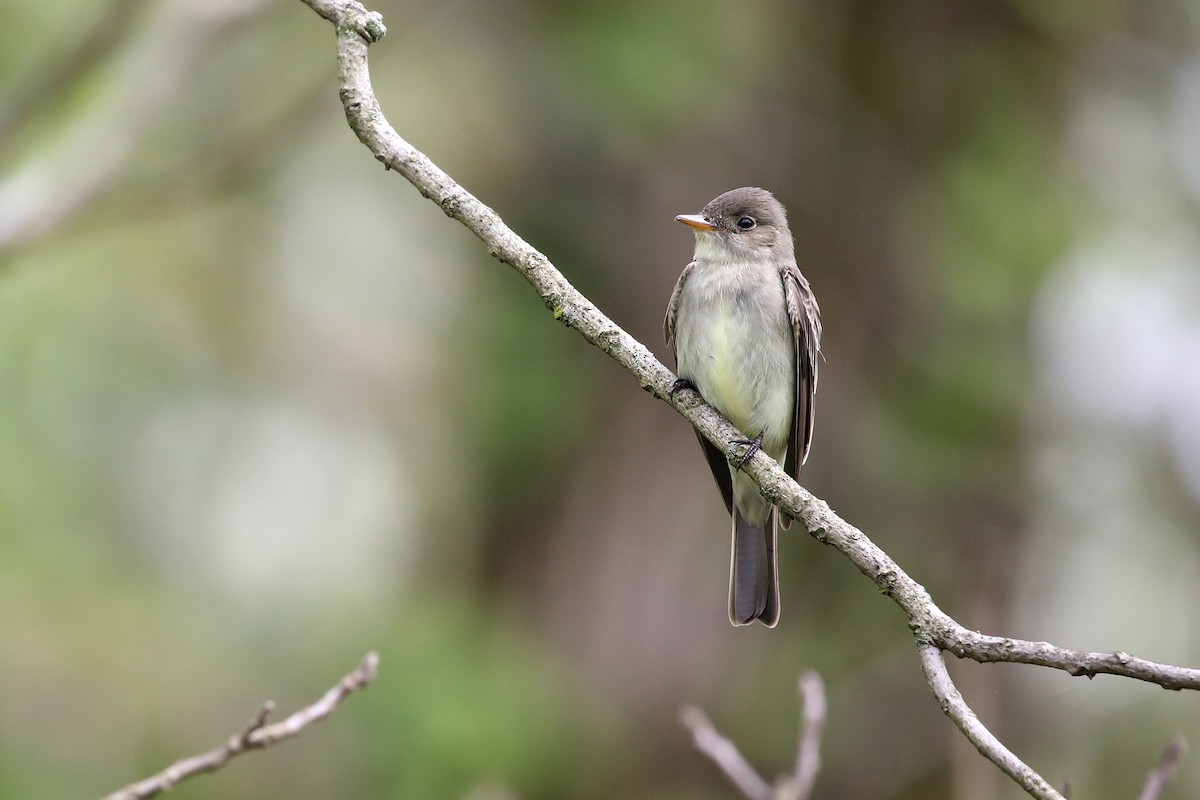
725 755
256 736
957 710
808 751
966 643
1161 775
934 630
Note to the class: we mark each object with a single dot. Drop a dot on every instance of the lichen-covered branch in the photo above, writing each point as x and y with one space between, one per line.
935 631
256 736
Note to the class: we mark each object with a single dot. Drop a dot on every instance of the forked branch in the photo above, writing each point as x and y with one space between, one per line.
724 753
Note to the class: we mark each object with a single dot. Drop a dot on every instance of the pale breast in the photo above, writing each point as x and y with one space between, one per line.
734 342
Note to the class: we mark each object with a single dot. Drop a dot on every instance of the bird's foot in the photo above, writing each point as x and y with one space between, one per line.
752 447
679 385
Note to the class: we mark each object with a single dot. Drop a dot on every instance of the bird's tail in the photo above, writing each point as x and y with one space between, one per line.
754 571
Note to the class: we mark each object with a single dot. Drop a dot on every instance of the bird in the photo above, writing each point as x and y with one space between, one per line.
745 330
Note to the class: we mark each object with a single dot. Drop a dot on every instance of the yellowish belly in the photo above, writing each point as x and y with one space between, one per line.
745 370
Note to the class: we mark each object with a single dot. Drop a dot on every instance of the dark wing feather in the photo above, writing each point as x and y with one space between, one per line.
673 306
805 319
720 470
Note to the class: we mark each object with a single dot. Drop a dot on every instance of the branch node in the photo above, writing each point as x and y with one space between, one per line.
363 674
372 28
368 25
259 720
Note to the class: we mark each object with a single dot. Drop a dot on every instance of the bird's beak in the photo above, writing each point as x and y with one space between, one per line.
696 221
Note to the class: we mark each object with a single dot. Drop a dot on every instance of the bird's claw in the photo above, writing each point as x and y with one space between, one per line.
679 385
752 447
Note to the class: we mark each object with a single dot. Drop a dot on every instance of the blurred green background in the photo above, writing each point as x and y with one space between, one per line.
263 408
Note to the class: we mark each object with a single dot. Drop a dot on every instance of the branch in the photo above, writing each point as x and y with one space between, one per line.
934 630
985 742
1161 775
808 754
257 735
724 753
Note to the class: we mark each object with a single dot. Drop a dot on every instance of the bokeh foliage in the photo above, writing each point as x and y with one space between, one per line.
263 408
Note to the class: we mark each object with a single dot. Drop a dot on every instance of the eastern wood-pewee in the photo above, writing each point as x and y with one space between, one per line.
746 332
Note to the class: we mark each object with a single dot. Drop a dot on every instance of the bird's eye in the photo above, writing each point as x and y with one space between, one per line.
746 223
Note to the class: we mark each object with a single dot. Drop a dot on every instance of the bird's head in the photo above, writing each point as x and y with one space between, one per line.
742 223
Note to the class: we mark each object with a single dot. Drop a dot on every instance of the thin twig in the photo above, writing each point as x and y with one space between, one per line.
256 735
965 643
985 742
798 785
934 629
725 755
1161 775
808 751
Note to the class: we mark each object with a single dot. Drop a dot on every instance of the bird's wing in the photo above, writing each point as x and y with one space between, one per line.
673 306
712 454
805 319
719 464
